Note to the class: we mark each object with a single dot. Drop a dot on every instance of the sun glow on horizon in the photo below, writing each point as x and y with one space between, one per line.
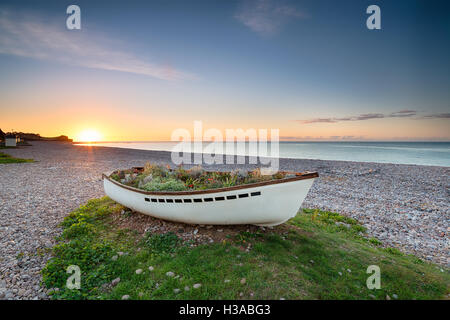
88 136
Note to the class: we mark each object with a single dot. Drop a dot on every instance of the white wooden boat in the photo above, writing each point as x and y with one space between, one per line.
267 203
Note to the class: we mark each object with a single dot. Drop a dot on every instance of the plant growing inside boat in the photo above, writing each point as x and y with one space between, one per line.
159 184
154 177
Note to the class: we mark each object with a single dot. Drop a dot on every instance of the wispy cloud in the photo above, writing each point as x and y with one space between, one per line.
362 117
437 116
34 37
403 114
368 116
322 138
266 16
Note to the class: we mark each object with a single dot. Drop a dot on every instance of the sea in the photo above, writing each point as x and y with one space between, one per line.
420 153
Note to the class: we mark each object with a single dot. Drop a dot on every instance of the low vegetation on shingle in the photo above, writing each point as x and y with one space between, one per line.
316 255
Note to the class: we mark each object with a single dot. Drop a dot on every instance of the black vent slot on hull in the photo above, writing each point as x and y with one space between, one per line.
232 197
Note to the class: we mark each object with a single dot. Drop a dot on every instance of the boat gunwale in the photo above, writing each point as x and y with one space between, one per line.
299 176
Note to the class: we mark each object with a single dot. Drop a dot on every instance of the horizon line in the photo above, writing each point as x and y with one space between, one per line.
209 141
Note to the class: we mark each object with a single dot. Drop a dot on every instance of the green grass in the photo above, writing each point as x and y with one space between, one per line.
307 259
6 158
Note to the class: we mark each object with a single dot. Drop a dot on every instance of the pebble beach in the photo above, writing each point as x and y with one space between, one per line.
404 206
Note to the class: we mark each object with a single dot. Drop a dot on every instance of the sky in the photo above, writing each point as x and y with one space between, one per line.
138 70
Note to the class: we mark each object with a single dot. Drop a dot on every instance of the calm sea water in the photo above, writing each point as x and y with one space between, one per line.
422 153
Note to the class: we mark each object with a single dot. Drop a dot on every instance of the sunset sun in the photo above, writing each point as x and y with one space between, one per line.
89 136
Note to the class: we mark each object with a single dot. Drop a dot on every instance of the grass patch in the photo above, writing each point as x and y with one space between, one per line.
6 158
318 255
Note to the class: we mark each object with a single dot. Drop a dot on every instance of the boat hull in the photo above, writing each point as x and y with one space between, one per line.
262 205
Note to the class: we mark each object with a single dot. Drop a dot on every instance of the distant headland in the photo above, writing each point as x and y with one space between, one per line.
33 137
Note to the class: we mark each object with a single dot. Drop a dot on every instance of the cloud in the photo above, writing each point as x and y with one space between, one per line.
321 138
266 16
368 116
403 114
437 116
319 120
35 37
364 116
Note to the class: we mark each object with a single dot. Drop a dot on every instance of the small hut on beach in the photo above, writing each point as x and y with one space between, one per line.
11 140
